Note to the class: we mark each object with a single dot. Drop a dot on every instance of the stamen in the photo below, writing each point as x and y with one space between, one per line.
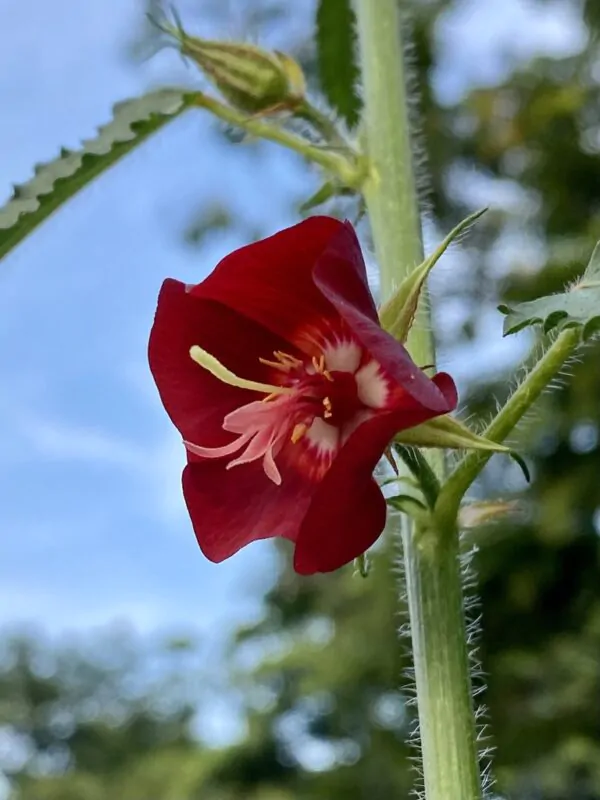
319 367
287 359
275 364
214 366
285 362
319 364
328 409
298 432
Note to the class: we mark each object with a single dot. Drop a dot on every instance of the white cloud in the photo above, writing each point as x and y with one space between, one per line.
153 468
59 441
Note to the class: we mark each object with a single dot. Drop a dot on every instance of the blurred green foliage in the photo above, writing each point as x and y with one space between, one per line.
328 710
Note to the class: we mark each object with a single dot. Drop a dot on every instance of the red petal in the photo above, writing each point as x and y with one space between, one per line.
345 528
393 357
348 512
447 387
271 281
195 400
231 508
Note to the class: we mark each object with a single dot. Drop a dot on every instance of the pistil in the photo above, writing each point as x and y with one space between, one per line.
214 366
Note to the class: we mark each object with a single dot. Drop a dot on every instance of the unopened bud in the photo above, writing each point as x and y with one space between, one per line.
249 78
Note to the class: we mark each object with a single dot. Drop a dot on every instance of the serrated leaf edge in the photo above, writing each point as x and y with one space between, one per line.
27 198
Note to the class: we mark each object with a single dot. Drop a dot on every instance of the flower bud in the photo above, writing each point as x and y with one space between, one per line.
249 78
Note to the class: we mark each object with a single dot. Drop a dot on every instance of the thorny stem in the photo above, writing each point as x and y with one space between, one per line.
433 577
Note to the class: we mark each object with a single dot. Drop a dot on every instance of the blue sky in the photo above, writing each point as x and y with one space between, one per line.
93 526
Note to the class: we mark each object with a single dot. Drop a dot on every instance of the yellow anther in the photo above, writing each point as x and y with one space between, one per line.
319 364
275 364
287 359
298 432
328 409
283 361
328 375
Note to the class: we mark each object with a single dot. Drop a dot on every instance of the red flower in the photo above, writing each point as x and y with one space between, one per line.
310 391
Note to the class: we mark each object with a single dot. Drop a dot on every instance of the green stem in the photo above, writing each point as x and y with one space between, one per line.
446 510
433 578
322 124
390 188
348 171
446 720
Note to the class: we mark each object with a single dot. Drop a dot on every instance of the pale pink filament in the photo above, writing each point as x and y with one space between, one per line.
263 427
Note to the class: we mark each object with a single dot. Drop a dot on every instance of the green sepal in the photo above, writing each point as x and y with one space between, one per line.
447 432
577 306
398 313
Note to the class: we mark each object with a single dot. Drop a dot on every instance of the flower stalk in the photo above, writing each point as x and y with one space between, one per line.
520 401
346 166
433 576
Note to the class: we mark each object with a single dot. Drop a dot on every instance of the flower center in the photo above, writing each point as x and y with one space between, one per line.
341 400
313 402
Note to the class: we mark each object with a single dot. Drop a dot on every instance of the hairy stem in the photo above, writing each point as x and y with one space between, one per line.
321 123
345 167
433 577
440 654
521 400
390 187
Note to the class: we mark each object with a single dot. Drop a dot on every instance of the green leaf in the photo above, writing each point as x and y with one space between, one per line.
448 432
324 193
417 464
336 58
57 181
362 566
578 306
408 504
397 315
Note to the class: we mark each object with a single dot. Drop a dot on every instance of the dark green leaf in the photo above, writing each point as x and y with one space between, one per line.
522 463
336 58
57 181
418 466
578 306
